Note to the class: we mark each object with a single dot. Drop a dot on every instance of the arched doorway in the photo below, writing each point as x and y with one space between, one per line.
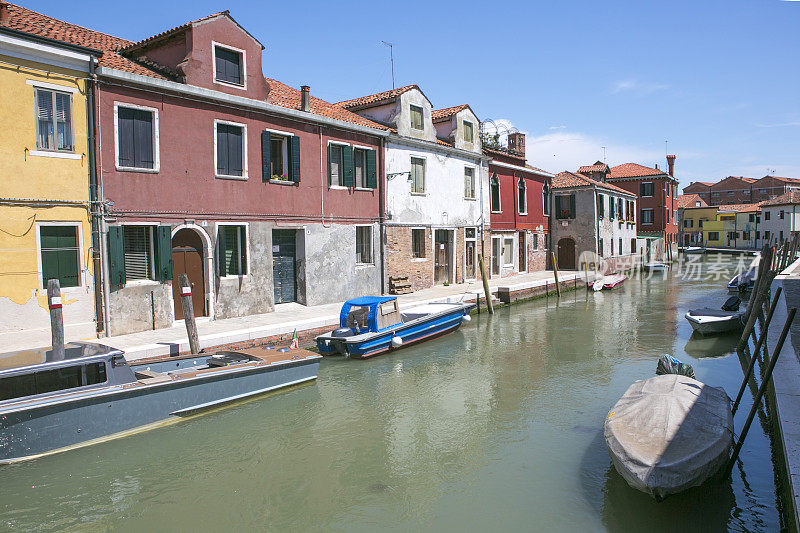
566 253
187 258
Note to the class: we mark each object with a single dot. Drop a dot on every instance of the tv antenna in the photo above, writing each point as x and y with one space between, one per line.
604 153
391 59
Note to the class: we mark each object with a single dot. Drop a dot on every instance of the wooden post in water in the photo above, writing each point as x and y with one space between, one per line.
489 305
586 271
56 318
555 273
757 301
760 274
188 313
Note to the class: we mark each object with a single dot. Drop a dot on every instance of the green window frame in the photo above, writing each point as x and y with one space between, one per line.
417 175
469 132
232 250
60 254
364 245
417 114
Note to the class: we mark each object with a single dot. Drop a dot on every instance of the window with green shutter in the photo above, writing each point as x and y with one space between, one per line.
335 169
601 206
232 250
60 255
360 167
138 251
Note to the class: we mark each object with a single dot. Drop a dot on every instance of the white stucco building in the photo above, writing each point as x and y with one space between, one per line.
437 211
780 218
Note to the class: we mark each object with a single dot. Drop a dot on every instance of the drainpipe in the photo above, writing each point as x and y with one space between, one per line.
483 221
103 225
381 212
94 204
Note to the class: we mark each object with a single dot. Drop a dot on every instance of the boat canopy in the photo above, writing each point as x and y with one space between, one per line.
368 302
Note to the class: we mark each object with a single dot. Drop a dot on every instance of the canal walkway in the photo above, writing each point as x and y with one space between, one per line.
277 327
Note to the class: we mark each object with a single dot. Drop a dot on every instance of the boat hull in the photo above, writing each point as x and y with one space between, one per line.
714 325
51 424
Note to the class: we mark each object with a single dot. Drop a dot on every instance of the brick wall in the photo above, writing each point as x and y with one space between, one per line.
400 259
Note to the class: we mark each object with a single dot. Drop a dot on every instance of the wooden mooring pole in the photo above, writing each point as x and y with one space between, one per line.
56 318
188 313
761 390
555 273
757 348
754 309
489 305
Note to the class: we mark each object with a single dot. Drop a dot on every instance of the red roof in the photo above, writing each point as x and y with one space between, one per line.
791 197
282 95
599 166
690 200
739 208
634 170
370 99
438 115
566 180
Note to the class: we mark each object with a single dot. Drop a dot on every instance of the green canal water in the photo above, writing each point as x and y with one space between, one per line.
495 427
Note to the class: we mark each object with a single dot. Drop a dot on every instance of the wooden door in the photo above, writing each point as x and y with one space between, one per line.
566 254
442 256
284 252
523 266
469 259
187 258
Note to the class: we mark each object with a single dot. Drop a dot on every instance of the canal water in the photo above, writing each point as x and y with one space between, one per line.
495 427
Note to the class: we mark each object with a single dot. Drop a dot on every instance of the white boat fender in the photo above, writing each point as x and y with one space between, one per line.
466 318
397 342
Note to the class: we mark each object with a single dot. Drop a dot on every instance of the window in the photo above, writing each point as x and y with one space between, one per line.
53 121
138 250
758 235
60 257
136 140
278 156
231 150
232 252
228 66
611 211
416 118
546 200
620 246
646 189
522 200
535 241
364 244
647 216
565 206
713 235
781 236
781 214
360 167
418 243
417 175
469 182
611 241
508 252
633 246
469 132
619 208
700 223
335 164
53 380
766 235
601 248
751 218
767 215
494 199
601 206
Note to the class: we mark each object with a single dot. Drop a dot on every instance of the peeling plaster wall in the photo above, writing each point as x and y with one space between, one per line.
137 305
403 120
254 292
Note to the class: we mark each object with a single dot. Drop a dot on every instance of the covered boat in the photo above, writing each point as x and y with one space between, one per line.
669 433
694 250
50 404
656 267
744 281
707 321
372 325
609 282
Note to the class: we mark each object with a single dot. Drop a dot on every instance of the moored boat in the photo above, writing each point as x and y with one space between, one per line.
372 325
669 433
656 267
707 321
609 282
694 250
93 393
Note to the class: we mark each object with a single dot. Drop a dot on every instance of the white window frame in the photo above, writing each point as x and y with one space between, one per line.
654 189
410 117
284 154
214 45
156 147
503 250
330 182
474 182
247 249
525 188
464 135
424 244
152 267
54 88
245 173
496 258
494 177
371 245
424 175
81 267
653 218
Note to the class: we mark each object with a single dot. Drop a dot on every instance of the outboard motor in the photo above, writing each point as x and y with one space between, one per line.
342 332
731 304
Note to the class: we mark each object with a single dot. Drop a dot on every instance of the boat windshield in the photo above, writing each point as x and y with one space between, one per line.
357 318
51 380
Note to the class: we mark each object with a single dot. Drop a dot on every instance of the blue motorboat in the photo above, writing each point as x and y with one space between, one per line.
50 403
371 325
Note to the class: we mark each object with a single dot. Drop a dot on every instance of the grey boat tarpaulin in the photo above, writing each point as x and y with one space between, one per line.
669 433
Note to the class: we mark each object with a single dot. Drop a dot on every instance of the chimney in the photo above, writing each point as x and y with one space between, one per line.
671 164
516 143
304 103
4 14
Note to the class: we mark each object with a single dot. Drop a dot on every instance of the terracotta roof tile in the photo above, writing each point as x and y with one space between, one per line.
564 180
438 115
599 166
172 31
28 21
634 170
739 208
791 197
282 95
376 98
689 200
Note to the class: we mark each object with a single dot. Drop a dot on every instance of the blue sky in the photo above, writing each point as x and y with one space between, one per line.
718 79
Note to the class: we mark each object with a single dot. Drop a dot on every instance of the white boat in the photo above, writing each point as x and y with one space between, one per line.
669 433
707 321
656 267
609 282
694 250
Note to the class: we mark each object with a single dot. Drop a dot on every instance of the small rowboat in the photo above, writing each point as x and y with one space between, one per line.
669 433
609 282
694 250
711 321
656 267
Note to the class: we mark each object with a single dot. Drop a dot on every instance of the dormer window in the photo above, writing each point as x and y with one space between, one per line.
469 133
228 66
416 118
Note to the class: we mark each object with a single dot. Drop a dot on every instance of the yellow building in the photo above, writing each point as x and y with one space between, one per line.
693 222
45 225
714 234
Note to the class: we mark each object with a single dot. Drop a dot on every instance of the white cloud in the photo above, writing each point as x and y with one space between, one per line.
780 124
637 87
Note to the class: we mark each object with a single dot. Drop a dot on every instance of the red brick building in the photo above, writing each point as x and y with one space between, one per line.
519 210
731 190
700 188
738 189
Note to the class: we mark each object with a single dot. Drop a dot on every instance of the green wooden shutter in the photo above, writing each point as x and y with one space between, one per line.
243 248
330 178
571 206
347 164
221 263
163 247
294 158
601 206
116 256
372 170
265 157
558 207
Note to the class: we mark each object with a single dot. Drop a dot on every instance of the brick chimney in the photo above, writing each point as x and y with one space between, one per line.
4 14
516 143
671 164
305 104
